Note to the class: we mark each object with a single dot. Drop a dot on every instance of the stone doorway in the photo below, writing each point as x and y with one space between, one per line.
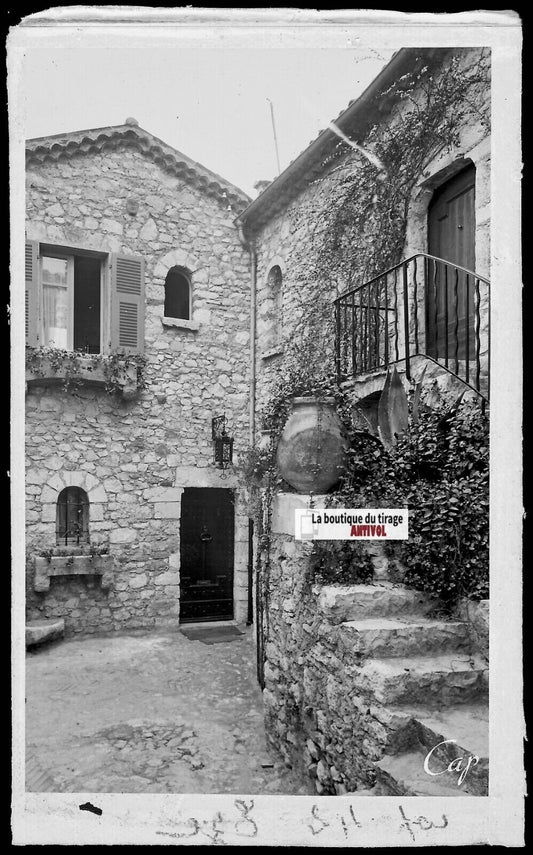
206 554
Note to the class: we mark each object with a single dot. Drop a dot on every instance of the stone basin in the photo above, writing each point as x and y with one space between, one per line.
41 631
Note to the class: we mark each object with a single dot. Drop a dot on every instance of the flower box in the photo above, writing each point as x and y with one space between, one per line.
76 368
72 565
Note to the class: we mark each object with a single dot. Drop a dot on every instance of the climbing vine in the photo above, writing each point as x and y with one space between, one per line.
439 470
73 366
351 224
362 230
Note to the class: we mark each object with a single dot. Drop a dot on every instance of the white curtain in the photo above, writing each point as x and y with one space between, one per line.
55 316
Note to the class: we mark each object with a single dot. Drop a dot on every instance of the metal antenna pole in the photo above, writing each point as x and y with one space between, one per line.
274 132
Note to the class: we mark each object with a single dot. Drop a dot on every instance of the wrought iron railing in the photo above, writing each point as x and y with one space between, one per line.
424 306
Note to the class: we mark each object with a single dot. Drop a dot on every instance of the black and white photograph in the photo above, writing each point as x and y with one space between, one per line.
266 427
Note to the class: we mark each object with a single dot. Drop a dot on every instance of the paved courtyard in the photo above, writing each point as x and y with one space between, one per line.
148 713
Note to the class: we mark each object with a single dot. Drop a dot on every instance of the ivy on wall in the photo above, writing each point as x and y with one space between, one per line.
362 231
350 224
439 469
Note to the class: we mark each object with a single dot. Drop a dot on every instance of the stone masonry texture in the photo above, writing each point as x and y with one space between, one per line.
311 716
290 239
129 455
333 705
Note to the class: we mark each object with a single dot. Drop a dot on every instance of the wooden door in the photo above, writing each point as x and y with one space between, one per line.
206 550
450 291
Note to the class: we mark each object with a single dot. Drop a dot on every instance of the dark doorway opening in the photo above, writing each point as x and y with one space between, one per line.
450 294
207 554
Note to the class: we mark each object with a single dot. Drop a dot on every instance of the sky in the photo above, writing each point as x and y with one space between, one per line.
212 104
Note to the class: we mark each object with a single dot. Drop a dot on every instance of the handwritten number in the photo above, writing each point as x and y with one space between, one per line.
323 823
246 820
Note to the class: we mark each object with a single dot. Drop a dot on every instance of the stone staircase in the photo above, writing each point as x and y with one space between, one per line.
418 675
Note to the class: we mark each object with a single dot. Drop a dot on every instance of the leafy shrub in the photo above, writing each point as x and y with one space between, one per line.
439 469
339 562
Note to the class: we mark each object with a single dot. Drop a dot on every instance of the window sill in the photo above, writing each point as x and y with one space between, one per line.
49 372
72 565
181 324
274 351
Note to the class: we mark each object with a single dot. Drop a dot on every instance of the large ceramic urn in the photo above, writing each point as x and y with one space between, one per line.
311 453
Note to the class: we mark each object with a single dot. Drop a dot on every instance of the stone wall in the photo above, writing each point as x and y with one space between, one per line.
315 718
354 673
134 457
476 614
292 240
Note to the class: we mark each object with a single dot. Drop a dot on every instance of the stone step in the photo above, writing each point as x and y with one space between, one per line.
404 636
467 723
450 733
430 680
404 775
42 630
341 603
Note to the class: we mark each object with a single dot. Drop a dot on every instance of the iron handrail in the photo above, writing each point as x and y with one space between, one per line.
438 312
357 288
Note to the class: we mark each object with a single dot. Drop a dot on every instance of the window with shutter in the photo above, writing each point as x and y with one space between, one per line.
71 304
32 293
71 287
127 303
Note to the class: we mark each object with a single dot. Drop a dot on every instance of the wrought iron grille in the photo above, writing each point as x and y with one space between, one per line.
423 306
72 527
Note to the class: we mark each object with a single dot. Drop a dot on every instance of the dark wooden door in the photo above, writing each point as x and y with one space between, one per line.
206 550
450 292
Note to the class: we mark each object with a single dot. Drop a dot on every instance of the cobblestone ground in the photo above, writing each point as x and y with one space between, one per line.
148 713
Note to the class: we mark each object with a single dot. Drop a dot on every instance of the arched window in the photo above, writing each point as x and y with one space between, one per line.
72 519
274 297
177 295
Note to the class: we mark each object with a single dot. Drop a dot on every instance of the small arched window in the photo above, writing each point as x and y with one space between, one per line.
72 519
177 295
274 296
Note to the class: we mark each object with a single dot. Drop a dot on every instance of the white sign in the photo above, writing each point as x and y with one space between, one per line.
351 524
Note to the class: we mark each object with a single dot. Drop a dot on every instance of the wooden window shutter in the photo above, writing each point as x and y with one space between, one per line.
127 303
32 293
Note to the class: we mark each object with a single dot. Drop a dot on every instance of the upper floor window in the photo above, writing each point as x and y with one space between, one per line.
72 518
177 295
84 301
274 300
71 294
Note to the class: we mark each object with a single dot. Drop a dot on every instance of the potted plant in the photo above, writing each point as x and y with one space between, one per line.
73 561
302 417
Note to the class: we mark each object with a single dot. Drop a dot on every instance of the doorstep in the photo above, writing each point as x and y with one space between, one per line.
204 624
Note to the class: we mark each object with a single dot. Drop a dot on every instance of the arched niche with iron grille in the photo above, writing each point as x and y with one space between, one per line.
178 297
72 518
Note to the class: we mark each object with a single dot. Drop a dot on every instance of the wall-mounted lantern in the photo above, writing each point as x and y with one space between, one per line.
222 443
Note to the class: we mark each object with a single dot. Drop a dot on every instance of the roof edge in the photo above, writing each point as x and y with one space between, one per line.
391 71
70 141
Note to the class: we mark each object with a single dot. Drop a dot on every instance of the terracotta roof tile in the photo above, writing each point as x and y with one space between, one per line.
67 145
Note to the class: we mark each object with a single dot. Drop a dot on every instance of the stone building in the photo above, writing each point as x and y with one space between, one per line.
163 308
371 250
405 178
137 326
